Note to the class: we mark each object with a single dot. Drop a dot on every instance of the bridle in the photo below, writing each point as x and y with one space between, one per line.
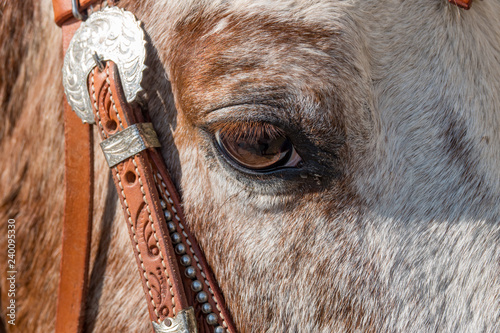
101 84
181 291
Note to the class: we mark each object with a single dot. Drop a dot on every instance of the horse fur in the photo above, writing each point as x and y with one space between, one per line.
393 224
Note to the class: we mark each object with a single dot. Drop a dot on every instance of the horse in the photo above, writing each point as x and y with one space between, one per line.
374 209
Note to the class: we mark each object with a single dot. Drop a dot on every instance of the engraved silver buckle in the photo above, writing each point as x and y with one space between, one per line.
110 34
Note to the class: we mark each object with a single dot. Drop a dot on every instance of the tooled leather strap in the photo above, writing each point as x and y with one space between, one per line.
78 209
173 270
155 222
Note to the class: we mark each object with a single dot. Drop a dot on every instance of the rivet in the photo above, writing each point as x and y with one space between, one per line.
185 260
202 297
212 319
168 322
206 308
171 227
196 285
176 238
190 272
180 248
163 204
219 329
168 215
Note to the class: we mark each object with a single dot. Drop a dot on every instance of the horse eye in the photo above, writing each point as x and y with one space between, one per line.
261 147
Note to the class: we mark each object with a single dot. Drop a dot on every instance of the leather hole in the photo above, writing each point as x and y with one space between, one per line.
130 177
111 125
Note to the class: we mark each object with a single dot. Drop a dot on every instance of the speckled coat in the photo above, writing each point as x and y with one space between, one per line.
392 222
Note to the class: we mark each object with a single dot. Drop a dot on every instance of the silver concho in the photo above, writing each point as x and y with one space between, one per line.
184 322
113 34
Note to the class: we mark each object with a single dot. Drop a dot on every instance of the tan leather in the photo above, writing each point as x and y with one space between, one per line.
142 181
143 185
465 4
135 184
77 223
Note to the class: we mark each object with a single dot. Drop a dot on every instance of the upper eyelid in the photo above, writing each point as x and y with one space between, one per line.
251 113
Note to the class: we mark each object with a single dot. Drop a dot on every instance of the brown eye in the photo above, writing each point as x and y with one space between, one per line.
259 147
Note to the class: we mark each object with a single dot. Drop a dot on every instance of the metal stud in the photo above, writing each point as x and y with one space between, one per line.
212 319
180 248
171 227
176 238
163 204
168 215
196 285
190 272
185 260
206 308
202 297
219 329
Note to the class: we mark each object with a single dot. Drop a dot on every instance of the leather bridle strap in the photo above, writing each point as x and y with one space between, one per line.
179 287
78 210
173 270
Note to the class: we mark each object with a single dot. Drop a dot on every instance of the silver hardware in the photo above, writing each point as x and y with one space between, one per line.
190 272
185 260
171 227
196 285
168 215
163 204
99 63
75 11
206 308
128 142
176 238
219 329
202 297
183 322
212 319
111 34
180 248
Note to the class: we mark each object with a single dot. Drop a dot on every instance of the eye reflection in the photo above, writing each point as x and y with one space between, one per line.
257 146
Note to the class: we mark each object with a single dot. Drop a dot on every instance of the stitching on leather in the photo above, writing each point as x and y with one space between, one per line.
154 234
111 98
129 218
164 190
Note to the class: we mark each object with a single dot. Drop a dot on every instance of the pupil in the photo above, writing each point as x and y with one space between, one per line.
260 152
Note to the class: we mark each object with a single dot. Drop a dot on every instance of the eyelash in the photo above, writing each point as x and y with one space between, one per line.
253 130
